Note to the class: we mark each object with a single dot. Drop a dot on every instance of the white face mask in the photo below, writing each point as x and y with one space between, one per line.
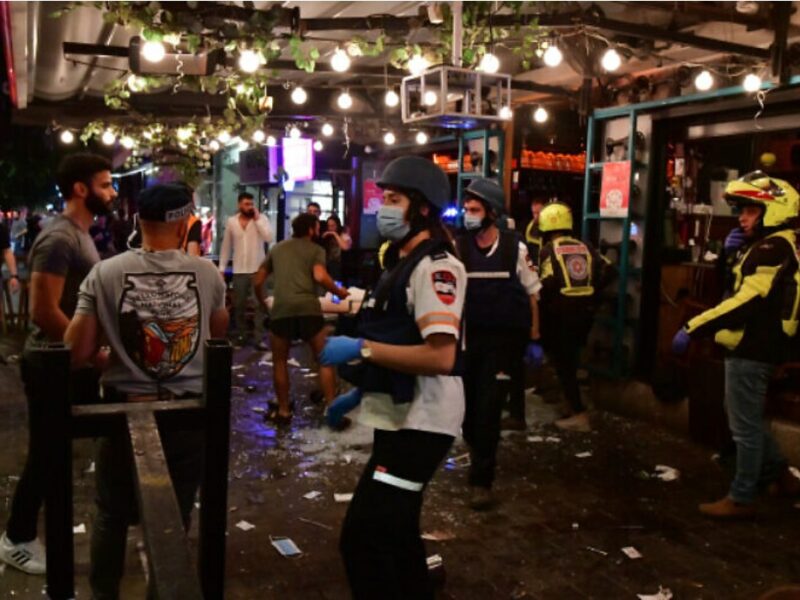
391 223
472 222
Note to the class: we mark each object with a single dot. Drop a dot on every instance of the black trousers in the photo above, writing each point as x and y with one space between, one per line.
383 553
516 395
29 493
116 500
563 345
490 364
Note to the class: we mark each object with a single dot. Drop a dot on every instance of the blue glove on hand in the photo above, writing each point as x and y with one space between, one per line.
341 406
534 354
735 240
340 349
680 343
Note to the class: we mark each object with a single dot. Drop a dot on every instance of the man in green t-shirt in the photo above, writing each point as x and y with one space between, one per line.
298 265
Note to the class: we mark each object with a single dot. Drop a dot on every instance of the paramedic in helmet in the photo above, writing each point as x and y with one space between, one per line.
409 333
754 325
502 321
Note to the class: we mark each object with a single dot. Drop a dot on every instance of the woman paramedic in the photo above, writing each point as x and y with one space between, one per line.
409 333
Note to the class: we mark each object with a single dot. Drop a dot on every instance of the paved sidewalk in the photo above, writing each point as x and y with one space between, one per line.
557 532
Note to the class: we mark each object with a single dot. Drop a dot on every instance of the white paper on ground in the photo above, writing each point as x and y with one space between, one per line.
292 362
285 546
435 560
245 526
438 536
312 495
661 594
79 528
342 497
535 438
583 455
552 439
631 552
665 473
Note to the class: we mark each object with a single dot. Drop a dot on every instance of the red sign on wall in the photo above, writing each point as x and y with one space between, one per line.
615 189
373 196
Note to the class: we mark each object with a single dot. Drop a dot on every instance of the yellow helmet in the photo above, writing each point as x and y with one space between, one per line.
555 217
780 200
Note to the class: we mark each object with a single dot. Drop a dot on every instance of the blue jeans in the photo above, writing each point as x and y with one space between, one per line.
758 459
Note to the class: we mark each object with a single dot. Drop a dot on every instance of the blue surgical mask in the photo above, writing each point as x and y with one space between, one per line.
472 222
392 224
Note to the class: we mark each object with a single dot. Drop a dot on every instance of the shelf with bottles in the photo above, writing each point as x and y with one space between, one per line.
449 164
551 161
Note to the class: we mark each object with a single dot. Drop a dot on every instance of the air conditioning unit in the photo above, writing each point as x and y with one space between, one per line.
455 98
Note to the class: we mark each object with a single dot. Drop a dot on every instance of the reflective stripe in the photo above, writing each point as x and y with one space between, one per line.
398 482
489 275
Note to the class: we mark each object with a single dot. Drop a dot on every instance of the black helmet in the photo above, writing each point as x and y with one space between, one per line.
420 175
489 192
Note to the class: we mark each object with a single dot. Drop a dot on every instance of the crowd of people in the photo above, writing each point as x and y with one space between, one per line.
438 348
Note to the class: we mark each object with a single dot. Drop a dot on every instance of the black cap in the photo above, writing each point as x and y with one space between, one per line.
166 202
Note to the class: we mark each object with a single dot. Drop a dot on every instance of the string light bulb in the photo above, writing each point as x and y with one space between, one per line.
108 137
327 130
345 101
391 99
540 115
318 146
422 138
752 83
67 137
489 63
127 142
704 81
611 60
214 145
389 138
271 141
340 61
259 136
249 61
505 113
430 98
224 137
153 51
184 133
418 64
299 95
552 56
294 132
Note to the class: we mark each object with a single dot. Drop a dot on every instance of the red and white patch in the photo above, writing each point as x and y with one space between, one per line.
444 284
577 267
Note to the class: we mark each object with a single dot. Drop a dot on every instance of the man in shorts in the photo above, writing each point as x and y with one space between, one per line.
298 265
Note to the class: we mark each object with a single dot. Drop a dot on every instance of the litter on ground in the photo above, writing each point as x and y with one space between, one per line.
245 525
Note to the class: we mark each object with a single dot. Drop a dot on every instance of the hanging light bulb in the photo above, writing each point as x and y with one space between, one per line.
224 137
271 141
345 101
389 138
489 63
318 146
505 113
418 64
249 61
704 81
299 95
752 83
127 142
391 99
67 137
540 115
340 62
259 136
214 145
430 98
294 132
422 138
552 56
611 60
108 137
327 130
184 133
153 52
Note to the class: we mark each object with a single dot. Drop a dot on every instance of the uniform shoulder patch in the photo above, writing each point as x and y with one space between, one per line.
441 255
445 285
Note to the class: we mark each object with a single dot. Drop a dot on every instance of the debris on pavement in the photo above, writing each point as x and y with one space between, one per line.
631 552
342 497
583 455
315 523
434 561
90 468
285 546
245 525
535 438
662 594
597 551
312 495
79 528
292 362
455 462
438 536
665 473
551 439
258 409
575 526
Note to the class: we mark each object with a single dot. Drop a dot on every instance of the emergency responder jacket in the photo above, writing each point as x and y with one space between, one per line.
385 317
534 241
761 313
572 274
496 299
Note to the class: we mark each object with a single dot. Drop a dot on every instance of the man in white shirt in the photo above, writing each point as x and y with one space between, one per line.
245 235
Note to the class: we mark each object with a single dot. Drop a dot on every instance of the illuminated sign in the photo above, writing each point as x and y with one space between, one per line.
298 158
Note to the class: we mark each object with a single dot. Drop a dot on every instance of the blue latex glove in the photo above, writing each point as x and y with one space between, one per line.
341 406
534 354
340 349
680 343
735 240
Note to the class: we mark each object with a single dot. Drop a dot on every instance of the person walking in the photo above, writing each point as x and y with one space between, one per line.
754 324
246 232
502 319
409 329
156 306
62 255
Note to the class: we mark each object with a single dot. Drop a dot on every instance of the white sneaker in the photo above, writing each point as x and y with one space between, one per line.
28 556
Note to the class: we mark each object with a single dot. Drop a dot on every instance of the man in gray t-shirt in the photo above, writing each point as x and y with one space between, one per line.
156 306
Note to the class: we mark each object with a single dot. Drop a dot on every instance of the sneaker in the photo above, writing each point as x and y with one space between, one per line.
28 557
481 498
579 422
727 509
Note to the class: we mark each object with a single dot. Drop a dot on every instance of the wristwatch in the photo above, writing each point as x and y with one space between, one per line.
366 351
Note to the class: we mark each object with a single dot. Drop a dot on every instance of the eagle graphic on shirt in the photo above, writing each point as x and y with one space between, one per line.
159 321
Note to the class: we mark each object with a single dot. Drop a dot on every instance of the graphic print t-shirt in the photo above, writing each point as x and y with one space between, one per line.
154 308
